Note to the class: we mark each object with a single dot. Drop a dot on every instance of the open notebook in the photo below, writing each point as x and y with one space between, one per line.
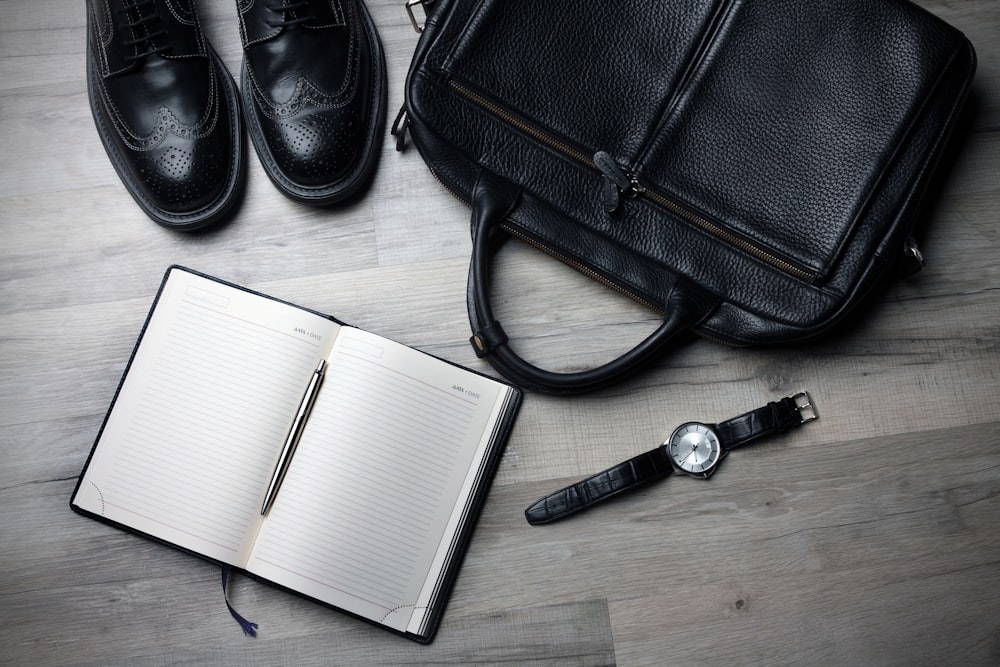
381 493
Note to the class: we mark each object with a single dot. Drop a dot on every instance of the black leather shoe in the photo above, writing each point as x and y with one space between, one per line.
313 85
166 109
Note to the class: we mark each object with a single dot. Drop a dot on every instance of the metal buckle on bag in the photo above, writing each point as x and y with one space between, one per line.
410 4
804 405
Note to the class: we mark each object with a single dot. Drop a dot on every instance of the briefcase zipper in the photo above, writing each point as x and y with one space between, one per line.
730 238
533 131
538 245
635 187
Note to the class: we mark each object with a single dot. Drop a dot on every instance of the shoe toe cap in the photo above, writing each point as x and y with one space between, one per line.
184 176
318 148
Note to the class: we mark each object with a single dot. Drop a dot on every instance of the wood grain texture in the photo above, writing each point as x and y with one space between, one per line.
869 537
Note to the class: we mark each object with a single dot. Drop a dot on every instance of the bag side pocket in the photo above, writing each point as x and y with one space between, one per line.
791 123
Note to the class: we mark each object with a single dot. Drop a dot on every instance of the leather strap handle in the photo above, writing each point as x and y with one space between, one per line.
492 202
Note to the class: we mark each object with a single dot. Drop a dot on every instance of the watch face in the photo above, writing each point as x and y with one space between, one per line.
694 448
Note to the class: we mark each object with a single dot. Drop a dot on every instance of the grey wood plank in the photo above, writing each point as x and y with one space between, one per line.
869 537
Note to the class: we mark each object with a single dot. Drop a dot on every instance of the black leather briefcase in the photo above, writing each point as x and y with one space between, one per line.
748 168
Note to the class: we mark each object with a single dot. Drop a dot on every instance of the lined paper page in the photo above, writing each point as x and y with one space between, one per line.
192 439
376 477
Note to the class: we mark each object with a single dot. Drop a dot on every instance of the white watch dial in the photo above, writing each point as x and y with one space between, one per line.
694 448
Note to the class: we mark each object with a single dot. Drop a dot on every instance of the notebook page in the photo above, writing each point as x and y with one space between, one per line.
193 436
376 477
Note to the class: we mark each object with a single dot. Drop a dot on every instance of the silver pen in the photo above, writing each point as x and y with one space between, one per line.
293 435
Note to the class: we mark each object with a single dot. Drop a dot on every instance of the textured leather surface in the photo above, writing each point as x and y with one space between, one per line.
792 140
782 144
313 80
166 109
617 479
775 417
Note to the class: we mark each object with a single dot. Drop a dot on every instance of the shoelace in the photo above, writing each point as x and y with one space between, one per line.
286 10
142 28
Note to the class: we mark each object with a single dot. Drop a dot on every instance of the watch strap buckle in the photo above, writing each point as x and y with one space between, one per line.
805 407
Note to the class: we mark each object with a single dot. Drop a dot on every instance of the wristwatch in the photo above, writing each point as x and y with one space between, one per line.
693 448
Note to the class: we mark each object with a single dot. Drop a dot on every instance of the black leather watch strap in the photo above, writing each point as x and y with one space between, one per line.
775 417
627 475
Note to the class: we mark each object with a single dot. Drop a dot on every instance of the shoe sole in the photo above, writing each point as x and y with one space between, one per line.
350 185
230 198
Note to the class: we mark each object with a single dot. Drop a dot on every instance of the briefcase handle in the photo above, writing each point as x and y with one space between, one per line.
493 201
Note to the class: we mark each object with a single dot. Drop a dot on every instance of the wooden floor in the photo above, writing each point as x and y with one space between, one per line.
870 537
